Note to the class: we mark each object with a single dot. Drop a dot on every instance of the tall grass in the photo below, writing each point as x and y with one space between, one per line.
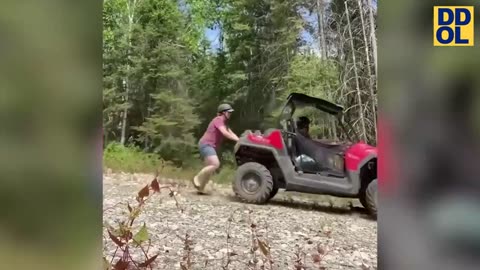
131 159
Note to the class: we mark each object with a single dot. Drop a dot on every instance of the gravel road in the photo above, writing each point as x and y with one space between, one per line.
300 231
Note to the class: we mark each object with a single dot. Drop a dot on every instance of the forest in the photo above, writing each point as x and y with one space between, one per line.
168 64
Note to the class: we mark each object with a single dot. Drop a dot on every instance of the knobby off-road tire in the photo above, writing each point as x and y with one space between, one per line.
262 175
371 201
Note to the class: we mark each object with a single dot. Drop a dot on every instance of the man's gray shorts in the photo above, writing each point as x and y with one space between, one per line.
207 150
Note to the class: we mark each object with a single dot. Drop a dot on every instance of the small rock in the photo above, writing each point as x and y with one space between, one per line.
365 266
364 255
223 250
354 228
358 263
219 255
300 234
154 250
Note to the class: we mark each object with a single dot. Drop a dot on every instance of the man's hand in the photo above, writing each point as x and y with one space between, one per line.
228 133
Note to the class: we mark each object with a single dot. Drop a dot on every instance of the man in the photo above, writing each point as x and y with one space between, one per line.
210 141
303 126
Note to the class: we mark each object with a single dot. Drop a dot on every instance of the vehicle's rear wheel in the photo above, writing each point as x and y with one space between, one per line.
370 198
253 183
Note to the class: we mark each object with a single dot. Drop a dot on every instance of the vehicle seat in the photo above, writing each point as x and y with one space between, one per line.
311 148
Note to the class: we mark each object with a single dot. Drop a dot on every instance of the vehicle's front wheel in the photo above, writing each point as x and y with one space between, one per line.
368 198
253 183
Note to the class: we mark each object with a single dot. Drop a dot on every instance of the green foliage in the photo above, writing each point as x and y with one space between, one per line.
129 159
312 76
122 235
201 14
225 175
142 235
162 83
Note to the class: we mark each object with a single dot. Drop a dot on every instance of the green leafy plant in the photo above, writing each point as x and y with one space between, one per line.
124 238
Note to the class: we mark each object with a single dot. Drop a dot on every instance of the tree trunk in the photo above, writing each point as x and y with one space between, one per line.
321 31
125 113
126 81
359 95
221 38
369 70
373 36
149 105
334 129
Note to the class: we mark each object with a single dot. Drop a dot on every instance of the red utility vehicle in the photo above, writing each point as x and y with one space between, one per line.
284 158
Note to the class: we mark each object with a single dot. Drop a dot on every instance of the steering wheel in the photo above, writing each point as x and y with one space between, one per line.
289 133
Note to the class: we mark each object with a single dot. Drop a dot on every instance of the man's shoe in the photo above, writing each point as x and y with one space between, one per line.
195 181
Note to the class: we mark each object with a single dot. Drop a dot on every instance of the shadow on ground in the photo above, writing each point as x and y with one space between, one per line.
314 206
337 206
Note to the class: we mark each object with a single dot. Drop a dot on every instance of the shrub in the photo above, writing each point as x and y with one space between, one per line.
129 159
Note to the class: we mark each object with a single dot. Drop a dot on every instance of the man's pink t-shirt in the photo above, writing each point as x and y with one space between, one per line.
213 136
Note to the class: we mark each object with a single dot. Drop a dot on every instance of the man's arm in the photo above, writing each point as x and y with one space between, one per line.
233 134
228 133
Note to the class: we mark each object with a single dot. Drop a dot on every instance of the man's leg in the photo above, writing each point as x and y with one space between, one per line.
212 163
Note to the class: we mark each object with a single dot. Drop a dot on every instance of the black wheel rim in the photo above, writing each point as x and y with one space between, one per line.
251 183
